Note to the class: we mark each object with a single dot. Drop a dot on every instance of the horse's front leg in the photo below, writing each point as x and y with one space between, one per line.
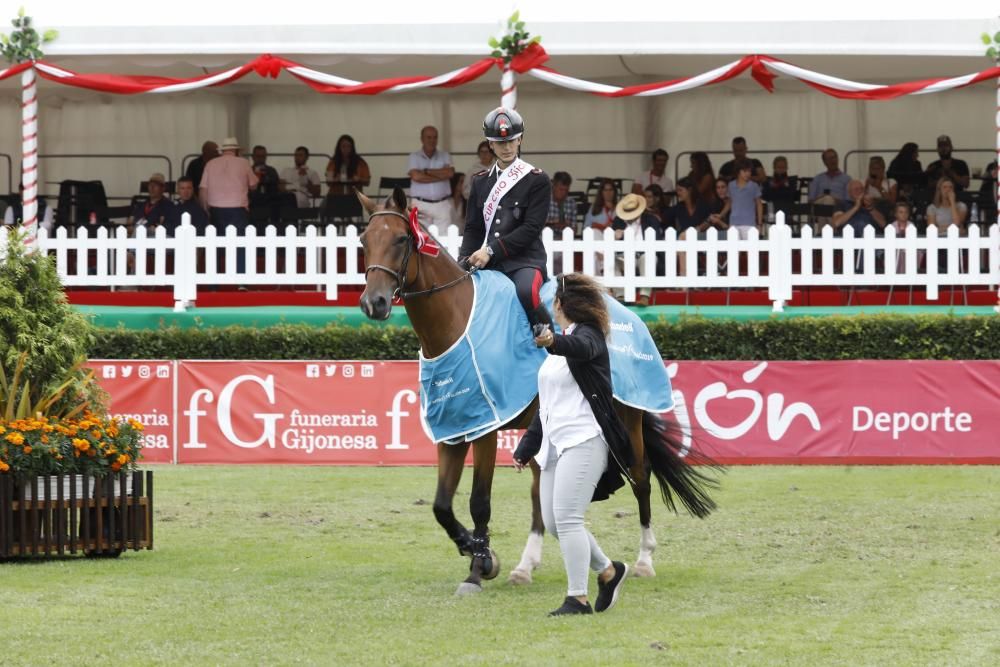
531 557
451 460
485 564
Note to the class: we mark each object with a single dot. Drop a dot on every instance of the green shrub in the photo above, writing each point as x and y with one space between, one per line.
854 337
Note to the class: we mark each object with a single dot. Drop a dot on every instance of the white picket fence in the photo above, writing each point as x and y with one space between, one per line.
328 258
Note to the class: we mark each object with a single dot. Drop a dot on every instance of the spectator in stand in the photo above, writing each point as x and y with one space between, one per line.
458 202
719 205
187 203
689 216
902 213
224 193
631 215
859 212
781 190
745 209
656 203
156 209
562 207
830 186
759 176
14 214
907 170
483 162
988 195
602 212
209 151
301 180
703 177
882 189
946 210
729 169
430 179
656 175
347 169
955 170
267 176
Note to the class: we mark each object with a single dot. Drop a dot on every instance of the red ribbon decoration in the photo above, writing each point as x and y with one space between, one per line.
425 243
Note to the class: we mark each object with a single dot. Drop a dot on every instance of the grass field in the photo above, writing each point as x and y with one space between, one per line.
346 566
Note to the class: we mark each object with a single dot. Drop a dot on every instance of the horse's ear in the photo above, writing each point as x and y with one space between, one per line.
399 199
366 203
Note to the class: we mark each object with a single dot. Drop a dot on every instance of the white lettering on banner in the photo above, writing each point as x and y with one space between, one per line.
307 440
297 418
779 418
505 180
396 417
270 419
367 371
193 413
347 371
864 418
126 371
147 419
109 372
312 370
330 370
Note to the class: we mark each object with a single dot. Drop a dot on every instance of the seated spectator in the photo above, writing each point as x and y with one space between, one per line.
689 212
562 207
458 202
300 179
347 169
156 209
780 189
14 215
631 214
719 205
195 168
882 189
946 209
859 212
187 203
656 202
703 177
902 213
745 210
267 176
484 160
988 195
728 170
955 170
759 176
830 186
656 175
907 170
602 212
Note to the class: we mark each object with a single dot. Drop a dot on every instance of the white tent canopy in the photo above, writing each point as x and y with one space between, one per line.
365 42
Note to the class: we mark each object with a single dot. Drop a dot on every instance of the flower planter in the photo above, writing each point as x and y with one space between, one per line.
58 514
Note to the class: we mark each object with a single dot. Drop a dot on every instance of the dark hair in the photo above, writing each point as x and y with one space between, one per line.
185 179
353 160
701 165
657 194
660 151
302 148
739 140
906 152
263 148
562 178
740 165
582 300
689 185
903 202
599 197
483 144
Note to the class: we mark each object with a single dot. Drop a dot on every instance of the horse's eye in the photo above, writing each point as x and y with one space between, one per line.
400 240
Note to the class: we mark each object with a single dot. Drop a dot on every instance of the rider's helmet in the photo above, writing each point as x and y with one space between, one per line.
503 124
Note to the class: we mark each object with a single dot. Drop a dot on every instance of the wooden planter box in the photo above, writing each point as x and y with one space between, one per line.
58 514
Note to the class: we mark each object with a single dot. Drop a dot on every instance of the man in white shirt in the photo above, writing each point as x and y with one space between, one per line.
656 175
300 179
430 180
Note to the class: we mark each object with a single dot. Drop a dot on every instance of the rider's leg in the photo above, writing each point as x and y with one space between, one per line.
528 282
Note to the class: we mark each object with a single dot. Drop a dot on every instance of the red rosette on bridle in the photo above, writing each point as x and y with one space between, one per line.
425 244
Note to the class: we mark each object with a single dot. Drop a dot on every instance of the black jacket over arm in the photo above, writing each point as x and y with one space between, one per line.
515 233
586 353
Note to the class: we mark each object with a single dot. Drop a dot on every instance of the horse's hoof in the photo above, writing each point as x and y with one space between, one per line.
643 569
519 577
494 567
467 588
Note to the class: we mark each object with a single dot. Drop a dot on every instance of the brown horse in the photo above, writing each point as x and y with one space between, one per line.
438 296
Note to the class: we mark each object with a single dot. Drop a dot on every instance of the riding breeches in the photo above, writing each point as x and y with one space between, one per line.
527 283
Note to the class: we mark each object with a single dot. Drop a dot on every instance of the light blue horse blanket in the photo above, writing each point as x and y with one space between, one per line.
490 375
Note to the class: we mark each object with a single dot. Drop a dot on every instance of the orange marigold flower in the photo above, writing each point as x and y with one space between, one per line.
15 438
91 453
81 444
96 434
45 439
113 431
27 449
85 424
122 459
135 424
4 467
116 466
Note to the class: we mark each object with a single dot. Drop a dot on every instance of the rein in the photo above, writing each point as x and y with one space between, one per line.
400 276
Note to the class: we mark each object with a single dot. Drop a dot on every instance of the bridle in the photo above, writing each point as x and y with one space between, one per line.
400 292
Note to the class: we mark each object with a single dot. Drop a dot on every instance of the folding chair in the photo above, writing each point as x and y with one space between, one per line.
388 183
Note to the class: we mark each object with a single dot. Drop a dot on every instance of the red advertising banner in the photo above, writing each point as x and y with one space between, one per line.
368 413
144 391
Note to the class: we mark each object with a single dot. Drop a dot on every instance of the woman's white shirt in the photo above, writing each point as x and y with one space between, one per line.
567 418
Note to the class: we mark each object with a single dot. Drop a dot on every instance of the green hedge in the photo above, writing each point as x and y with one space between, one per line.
804 338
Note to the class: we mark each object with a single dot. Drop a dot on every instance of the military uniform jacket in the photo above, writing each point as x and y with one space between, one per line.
515 233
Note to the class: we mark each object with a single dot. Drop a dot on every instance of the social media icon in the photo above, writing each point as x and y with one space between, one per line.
367 371
144 372
126 371
330 370
348 371
312 370
163 371
109 372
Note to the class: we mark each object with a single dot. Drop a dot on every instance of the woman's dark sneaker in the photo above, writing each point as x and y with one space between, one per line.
607 593
572 606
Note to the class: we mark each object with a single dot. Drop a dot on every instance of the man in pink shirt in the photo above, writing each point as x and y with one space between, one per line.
224 193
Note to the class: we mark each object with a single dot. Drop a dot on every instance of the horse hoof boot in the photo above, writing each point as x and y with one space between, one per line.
466 588
519 577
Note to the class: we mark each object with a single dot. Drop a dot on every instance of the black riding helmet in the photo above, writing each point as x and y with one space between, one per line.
503 124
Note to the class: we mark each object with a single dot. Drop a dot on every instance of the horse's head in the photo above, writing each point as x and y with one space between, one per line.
388 246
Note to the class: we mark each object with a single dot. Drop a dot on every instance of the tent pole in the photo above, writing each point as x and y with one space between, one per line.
29 154
508 88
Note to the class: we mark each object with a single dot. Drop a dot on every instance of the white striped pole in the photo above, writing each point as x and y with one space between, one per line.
29 155
508 88
996 182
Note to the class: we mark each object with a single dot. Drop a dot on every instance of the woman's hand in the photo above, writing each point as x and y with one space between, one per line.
519 465
545 339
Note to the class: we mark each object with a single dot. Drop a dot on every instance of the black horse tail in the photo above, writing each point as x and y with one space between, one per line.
678 471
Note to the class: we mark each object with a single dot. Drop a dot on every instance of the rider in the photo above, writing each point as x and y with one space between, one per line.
508 204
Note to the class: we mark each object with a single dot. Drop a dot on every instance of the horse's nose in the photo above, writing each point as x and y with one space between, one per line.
375 307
